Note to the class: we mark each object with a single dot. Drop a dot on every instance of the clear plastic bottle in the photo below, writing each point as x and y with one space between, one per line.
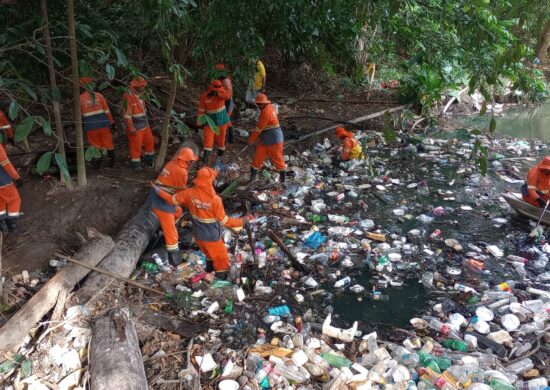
263 372
532 327
292 373
344 282
533 384
410 359
520 367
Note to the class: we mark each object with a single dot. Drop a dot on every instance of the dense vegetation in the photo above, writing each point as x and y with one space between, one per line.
432 47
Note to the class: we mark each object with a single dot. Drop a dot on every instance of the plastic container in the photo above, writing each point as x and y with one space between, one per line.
335 360
520 367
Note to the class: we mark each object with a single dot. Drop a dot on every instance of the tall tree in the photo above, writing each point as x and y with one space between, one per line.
544 42
77 115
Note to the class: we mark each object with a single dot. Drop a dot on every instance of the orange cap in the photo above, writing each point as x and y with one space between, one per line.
219 67
216 84
138 82
545 163
85 80
186 154
205 178
262 99
341 132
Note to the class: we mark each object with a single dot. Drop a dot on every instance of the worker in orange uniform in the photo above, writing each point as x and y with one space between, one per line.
536 189
351 149
137 127
208 219
172 178
6 131
96 119
271 139
227 83
212 103
10 202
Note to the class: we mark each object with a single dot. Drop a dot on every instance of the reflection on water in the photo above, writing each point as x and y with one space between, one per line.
527 123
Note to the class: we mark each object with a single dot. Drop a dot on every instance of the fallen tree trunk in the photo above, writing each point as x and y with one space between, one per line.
115 357
18 327
129 245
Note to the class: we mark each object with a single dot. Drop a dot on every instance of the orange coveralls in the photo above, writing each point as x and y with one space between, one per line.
10 202
348 145
271 140
137 128
5 126
212 103
208 217
536 189
96 120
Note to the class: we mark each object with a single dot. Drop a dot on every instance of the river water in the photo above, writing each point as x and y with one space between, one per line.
471 216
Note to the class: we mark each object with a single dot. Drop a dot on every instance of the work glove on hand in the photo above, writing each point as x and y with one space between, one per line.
541 201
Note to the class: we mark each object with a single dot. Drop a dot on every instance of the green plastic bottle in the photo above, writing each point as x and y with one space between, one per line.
455 345
150 267
498 384
429 361
335 360
229 307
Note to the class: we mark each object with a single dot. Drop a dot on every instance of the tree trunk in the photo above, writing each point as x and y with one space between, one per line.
544 43
77 116
165 132
53 84
115 357
18 327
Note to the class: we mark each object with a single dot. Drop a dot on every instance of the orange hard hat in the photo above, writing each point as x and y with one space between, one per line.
341 132
545 164
138 82
186 154
205 178
262 99
219 67
85 80
216 84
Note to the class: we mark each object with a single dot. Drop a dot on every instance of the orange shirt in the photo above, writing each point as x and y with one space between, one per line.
348 144
538 182
135 114
95 111
7 171
5 125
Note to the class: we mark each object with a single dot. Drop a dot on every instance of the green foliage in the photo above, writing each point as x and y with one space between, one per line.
390 135
13 110
62 165
206 120
92 153
480 154
44 163
23 129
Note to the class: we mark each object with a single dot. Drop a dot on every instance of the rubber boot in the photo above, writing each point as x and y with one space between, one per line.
11 223
221 275
112 158
174 257
253 174
221 152
149 159
206 157
209 266
136 166
282 176
3 227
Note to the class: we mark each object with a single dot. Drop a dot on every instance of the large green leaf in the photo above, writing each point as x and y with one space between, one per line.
44 163
93 152
46 125
13 110
110 71
121 58
206 120
62 164
23 129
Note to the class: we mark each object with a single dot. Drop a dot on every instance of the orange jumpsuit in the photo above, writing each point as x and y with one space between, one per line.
349 144
536 189
10 202
212 103
96 120
172 178
5 126
137 128
208 217
271 140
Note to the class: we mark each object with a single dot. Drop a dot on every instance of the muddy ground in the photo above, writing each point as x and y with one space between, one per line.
54 215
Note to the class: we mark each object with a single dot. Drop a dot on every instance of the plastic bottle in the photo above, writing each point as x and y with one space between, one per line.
520 367
342 283
455 345
486 342
263 372
495 295
532 327
292 373
462 375
499 384
335 360
545 276
410 359
533 384
428 361
463 288
270 319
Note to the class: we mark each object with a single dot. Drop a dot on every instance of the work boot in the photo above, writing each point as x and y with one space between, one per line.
282 176
112 158
209 266
206 157
221 152
230 138
11 224
3 227
149 159
174 257
136 166
221 275
253 174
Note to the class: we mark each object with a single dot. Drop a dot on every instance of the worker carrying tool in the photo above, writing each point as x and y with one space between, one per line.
271 139
208 219
6 131
536 189
172 178
96 119
351 149
137 127
10 202
227 84
212 104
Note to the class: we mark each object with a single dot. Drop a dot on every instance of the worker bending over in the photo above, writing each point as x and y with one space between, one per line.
271 139
172 178
208 219
212 104
227 84
10 202
96 119
137 127
351 149
536 189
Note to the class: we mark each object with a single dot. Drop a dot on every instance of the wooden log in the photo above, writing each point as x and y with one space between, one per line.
115 357
19 325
